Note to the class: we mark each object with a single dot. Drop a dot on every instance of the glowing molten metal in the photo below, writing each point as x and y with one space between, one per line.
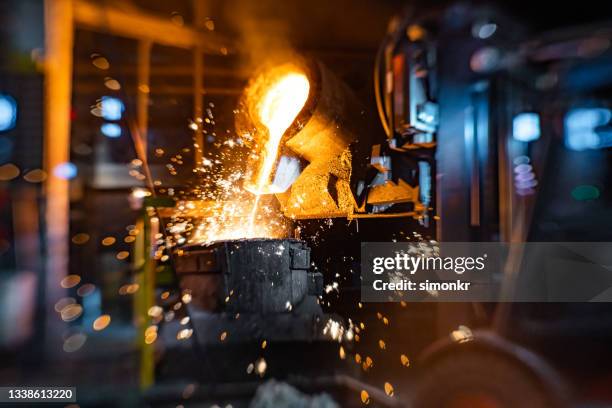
274 100
277 110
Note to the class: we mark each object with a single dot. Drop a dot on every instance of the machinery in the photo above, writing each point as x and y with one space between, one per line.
329 165
504 106
244 293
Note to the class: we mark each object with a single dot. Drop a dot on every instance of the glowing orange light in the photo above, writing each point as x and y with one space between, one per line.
101 322
238 211
278 109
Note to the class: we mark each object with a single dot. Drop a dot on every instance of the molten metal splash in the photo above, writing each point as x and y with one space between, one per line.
235 213
226 221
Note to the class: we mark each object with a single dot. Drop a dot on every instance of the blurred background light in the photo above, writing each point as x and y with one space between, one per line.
525 192
138 192
521 160
8 172
484 30
8 112
581 127
523 168
112 108
525 180
485 59
65 170
524 184
522 177
111 130
585 193
526 127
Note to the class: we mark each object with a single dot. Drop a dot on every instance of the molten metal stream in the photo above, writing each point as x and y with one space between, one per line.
277 111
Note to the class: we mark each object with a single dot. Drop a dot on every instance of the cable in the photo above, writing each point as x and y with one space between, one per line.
377 92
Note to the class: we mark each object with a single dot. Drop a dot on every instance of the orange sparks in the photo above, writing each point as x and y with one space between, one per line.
235 210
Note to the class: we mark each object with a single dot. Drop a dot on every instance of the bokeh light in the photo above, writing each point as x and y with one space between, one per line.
65 171
111 130
112 108
8 112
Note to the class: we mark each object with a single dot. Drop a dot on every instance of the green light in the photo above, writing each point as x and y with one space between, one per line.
585 193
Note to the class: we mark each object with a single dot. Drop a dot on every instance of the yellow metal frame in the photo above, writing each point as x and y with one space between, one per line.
144 267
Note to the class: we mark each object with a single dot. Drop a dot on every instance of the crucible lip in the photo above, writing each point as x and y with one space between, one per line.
213 258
